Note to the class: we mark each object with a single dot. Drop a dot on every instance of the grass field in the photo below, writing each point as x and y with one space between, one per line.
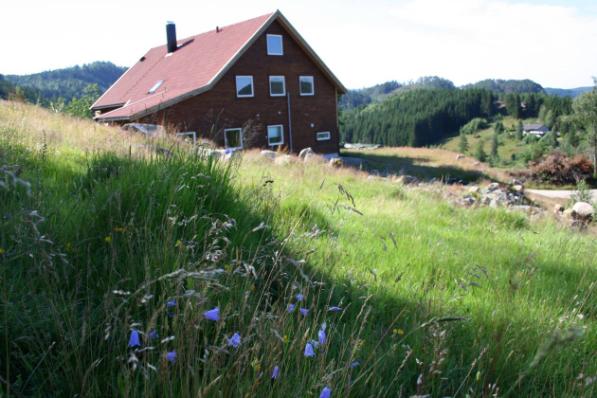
103 237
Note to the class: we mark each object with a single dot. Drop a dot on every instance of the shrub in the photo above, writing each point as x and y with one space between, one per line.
558 168
474 125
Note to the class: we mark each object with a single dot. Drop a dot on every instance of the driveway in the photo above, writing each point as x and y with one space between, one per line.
554 194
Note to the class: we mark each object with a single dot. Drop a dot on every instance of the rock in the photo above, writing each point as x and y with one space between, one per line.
583 210
568 213
474 189
558 209
283 160
266 153
304 152
493 186
518 188
336 162
516 182
468 200
458 157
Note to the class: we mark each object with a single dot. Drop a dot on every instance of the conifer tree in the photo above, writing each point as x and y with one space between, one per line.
480 152
463 143
519 131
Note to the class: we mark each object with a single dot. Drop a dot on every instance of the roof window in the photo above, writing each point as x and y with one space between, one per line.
155 87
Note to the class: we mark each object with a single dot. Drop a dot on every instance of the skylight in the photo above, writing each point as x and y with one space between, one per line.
154 88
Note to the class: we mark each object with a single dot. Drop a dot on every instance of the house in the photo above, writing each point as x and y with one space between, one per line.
538 130
256 83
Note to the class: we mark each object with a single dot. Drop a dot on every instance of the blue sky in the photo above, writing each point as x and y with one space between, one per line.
549 41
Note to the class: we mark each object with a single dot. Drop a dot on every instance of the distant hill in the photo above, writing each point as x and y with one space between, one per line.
500 86
568 92
69 82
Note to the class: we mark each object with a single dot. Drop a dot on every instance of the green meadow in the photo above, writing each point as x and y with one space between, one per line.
113 252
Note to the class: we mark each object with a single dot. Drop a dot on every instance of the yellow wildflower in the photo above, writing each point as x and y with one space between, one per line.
2 251
398 331
108 239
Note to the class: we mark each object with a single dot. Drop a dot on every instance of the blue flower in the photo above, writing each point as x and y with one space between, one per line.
134 339
234 341
171 356
355 364
291 308
153 334
309 350
213 314
304 311
334 309
326 392
171 303
321 336
275 372
299 297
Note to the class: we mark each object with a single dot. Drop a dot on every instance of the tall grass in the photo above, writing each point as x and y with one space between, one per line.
414 296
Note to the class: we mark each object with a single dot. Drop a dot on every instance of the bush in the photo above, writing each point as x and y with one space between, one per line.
558 168
474 125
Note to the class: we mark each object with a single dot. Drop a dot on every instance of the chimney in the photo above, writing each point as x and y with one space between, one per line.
171 36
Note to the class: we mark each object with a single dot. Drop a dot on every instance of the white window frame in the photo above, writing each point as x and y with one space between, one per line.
240 130
155 87
187 134
252 87
312 93
281 44
283 84
281 126
327 137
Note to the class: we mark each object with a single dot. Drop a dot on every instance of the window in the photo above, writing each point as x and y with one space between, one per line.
244 86
275 135
307 85
154 88
277 86
233 138
275 46
188 136
323 136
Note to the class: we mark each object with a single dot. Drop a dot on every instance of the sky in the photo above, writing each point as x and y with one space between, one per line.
364 42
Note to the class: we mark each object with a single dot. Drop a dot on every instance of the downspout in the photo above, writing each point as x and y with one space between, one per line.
289 125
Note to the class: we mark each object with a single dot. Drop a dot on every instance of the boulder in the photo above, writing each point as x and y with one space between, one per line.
305 152
474 189
518 188
336 162
458 157
568 213
558 209
583 210
266 153
493 186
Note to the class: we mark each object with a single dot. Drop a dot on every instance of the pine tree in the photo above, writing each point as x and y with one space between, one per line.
519 131
494 145
463 143
480 152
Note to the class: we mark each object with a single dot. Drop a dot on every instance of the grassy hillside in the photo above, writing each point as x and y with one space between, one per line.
103 237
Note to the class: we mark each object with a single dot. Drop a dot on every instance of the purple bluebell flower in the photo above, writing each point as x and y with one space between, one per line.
134 339
326 392
291 308
355 364
334 309
309 350
171 303
299 297
234 341
153 334
321 336
171 356
275 372
213 314
304 311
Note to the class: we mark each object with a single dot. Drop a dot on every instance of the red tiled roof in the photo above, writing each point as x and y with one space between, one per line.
197 64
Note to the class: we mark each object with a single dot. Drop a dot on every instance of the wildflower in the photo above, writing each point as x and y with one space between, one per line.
153 334
334 309
355 364
234 341
119 229
1 251
291 308
398 331
213 314
299 297
285 339
326 392
171 303
309 350
321 336
134 339
304 311
108 239
275 372
171 356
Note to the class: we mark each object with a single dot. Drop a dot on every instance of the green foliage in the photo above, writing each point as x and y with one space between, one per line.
474 125
415 117
499 128
508 86
79 107
494 144
585 114
480 152
462 143
519 130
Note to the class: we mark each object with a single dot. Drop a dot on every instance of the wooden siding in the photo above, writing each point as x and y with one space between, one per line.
218 109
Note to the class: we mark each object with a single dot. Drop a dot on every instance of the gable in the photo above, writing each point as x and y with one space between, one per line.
195 67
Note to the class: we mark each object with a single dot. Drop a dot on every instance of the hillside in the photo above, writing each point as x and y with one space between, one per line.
568 92
500 86
70 82
118 260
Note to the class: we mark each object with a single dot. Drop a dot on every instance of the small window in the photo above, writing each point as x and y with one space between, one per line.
188 136
154 88
233 138
307 85
275 45
277 86
323 136
275 135
244 86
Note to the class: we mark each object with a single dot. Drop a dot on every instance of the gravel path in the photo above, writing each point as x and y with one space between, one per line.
558 194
